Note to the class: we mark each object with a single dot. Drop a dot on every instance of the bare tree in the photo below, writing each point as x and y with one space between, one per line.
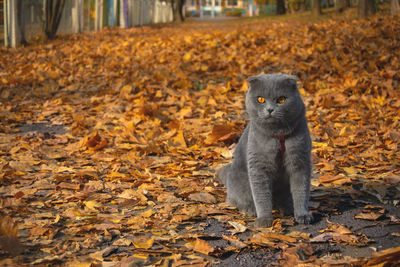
280 7
394 7
316 7
366 8
52 11
21 21
342 5
177 7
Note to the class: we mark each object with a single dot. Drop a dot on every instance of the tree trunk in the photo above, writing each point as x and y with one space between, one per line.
316 7
52 12
302 6
394 7
181 4
341 5
366 8
21 21
280 7
177 8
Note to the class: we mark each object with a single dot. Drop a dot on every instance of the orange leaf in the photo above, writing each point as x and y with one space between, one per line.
202 246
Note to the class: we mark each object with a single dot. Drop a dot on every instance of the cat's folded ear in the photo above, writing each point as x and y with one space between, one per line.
253 80
291 81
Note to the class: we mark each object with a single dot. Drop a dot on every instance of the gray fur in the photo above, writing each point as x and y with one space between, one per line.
258 177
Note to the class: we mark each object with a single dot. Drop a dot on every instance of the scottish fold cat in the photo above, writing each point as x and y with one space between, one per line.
271 166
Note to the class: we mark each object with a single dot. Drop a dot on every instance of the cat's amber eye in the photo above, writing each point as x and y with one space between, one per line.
281 100
261 99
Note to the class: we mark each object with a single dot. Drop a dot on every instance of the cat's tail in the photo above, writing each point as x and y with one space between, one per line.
222 173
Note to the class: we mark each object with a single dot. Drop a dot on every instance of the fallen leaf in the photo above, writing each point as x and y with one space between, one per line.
389 257
143 242
122 242
203 197
9 236
202 246
371 213
341 234
92 205
238 227
95 142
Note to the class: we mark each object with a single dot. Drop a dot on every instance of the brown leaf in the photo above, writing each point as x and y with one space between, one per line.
371 213
202 246
203 197
389 257
238 227
179 139
143 242
234 240
9 236
95 142
221 132
293 256
340 233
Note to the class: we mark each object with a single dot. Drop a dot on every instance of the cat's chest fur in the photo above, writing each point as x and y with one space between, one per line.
265 147
261 142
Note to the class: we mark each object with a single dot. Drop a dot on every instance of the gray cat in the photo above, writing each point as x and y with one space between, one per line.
271 163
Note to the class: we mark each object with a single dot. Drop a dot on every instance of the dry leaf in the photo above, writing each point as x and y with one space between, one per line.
202 246
143 242
389 257
9 236
238 227
371 213
203 197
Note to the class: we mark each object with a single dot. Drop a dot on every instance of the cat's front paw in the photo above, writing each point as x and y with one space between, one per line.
250 211
263 222
304 218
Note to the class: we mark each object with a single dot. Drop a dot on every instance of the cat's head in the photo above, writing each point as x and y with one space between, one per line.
273 99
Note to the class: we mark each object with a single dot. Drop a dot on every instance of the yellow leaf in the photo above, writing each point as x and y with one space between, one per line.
53 75
245 86
179 139
140 256
114 175
319 144
389 256
185 112
98 255
147 213
57 218
143 243
202 101
188 39
127 89
202 246
350 170
187 57
204 67
92 205
132 194
77 263
122 242
344 131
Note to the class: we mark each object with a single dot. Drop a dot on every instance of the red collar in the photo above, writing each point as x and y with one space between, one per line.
282 139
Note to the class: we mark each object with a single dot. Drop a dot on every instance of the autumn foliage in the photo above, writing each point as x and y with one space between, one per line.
109 140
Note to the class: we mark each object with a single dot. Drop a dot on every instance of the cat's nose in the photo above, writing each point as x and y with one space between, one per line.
270 110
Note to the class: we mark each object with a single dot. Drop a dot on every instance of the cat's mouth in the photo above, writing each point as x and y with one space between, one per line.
268 117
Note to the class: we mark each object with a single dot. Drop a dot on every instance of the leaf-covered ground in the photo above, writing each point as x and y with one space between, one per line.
109 142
